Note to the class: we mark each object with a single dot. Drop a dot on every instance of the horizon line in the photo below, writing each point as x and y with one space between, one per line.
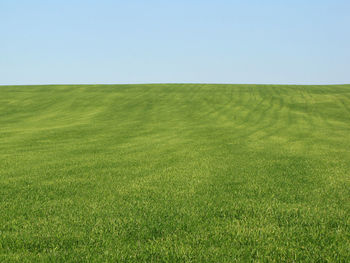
174 83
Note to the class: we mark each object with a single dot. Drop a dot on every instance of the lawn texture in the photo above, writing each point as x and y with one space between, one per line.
175 173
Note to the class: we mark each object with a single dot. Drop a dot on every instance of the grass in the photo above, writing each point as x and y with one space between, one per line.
175 173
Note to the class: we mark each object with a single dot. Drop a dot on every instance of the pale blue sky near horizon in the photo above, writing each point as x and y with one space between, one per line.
183 41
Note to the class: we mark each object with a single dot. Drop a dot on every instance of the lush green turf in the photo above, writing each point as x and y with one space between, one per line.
174 173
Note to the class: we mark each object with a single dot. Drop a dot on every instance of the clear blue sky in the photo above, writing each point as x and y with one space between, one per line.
199 41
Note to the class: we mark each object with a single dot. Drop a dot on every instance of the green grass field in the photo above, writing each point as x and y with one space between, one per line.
175 173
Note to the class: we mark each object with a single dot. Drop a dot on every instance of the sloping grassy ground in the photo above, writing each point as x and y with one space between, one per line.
175 173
